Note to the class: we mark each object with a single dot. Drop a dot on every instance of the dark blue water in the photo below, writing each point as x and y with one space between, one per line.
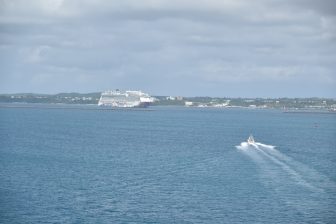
166 165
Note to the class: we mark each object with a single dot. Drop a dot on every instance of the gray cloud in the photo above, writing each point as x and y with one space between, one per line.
208 47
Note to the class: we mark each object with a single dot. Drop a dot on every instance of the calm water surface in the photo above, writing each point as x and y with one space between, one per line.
166 165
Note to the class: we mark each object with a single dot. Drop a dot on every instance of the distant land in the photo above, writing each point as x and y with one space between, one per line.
314 103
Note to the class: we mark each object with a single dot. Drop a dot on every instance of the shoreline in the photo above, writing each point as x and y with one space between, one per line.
150 108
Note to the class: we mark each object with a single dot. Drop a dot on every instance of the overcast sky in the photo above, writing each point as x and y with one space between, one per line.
235 48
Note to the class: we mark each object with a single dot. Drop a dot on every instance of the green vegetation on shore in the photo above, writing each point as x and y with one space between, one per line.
93 98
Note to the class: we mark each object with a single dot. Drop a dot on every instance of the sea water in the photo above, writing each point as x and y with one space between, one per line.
166 165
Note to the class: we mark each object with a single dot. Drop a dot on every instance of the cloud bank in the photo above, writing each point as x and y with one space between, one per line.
262 48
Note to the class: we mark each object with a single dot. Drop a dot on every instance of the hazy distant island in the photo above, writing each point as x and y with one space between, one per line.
314 103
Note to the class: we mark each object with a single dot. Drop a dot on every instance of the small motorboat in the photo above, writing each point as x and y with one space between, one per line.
250 140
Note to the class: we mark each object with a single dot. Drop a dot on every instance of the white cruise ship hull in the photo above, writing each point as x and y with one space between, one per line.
125 99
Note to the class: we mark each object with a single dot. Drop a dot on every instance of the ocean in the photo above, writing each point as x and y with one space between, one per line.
166 165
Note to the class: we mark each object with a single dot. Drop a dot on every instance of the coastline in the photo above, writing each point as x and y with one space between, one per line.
153 107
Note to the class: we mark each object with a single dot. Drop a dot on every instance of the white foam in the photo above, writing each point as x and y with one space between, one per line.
300 173
297 177
282 174
245 146
265 146
309 174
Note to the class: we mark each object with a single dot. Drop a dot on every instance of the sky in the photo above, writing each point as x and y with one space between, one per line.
222 48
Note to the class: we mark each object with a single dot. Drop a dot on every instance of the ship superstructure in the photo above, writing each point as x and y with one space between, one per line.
250 140
129 98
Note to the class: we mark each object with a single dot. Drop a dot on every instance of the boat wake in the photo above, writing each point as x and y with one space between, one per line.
286 176
299 172
256 145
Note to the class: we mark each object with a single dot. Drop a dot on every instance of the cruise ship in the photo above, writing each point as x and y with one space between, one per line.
129 98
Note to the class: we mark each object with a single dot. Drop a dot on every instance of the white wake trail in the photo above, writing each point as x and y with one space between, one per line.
249 150
295 167
252 148
296 176
299 172
297 185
